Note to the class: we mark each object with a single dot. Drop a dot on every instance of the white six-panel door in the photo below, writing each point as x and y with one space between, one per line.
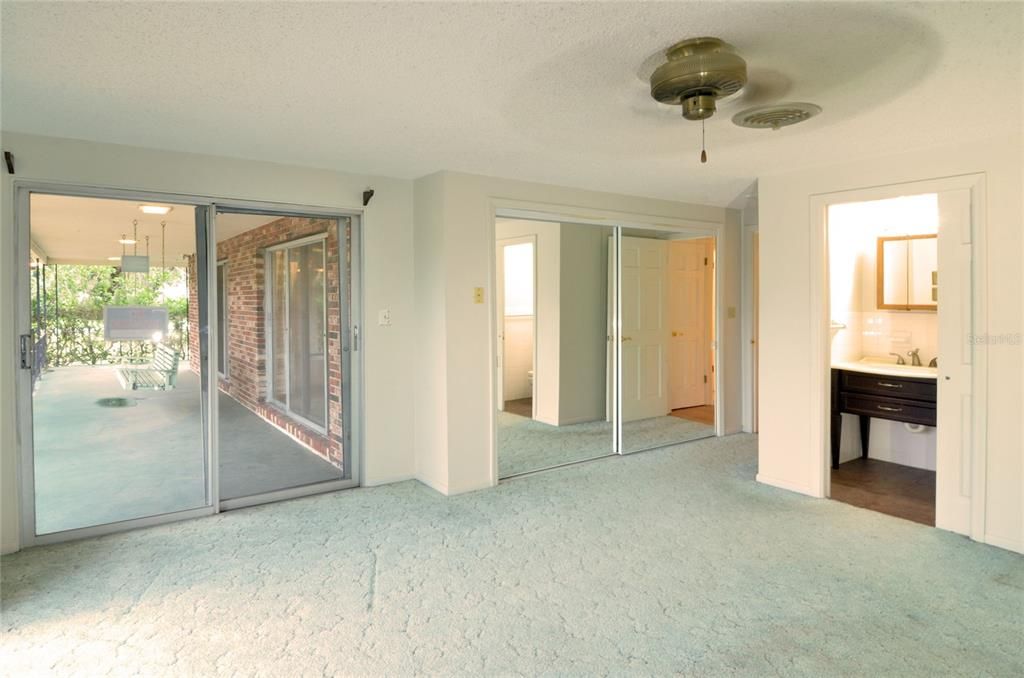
645 332
687 352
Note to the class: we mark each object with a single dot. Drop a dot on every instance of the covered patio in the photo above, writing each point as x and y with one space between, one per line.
103 454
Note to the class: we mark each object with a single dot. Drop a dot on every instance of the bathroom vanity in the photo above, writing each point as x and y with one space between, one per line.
885 391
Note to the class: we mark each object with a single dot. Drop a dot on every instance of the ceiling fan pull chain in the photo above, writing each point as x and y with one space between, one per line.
703 151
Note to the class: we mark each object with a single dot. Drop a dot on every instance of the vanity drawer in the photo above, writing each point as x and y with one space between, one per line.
896 409
898 387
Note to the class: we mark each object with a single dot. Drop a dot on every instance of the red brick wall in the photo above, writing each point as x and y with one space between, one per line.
246 379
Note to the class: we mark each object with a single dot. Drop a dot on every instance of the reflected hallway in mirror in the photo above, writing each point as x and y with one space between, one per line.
667 338
554 363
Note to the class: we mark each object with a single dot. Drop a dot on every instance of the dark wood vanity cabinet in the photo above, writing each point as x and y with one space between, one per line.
907 399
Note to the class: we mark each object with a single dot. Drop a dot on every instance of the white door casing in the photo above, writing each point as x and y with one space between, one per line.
645 332
499 322
687 349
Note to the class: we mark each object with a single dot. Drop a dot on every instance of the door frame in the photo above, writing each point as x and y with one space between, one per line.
818 416
268 320
534 211
206 207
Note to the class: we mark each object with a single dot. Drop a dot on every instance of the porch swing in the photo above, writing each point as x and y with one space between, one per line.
142 323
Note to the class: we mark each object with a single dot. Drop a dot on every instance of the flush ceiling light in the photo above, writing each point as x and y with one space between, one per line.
113 258
155 209
125 240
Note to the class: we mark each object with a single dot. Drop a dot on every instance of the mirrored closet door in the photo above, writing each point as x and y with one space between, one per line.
605 341
555 362
667 338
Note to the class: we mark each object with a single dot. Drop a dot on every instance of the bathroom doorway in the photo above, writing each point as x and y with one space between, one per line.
899 353
516 259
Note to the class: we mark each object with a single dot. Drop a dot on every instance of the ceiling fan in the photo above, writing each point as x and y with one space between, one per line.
698 72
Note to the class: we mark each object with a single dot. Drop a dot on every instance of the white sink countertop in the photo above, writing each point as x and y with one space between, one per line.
891 369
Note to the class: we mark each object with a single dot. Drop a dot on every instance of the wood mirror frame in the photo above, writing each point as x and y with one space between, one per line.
880 276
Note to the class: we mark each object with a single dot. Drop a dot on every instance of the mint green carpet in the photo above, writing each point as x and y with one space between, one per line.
526 445
671 562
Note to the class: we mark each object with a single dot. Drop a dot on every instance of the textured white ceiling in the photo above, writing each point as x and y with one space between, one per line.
547 92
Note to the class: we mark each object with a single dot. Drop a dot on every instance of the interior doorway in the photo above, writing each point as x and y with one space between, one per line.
691 357
899 301
517 320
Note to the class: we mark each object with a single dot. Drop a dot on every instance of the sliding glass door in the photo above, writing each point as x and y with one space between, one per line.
179 358
284 406
111 394
298 329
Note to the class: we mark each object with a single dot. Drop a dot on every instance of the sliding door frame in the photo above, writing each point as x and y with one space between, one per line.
618 221
350 277
23 190
269 318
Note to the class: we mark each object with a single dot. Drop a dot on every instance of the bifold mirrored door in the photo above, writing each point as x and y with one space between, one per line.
283 314
110 361
555 380
605 341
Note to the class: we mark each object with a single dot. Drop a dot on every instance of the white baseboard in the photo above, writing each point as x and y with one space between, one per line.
1015 545
388 480
434 485
785 485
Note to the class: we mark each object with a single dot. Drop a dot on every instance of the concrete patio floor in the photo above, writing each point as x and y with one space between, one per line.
97 465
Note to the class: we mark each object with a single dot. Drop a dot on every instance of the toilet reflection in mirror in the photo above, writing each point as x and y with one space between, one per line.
552 344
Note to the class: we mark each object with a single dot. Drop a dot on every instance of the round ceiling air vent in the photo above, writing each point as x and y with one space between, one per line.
774 116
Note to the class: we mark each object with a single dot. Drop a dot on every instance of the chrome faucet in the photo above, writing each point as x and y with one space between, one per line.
899 359
915 359
934 362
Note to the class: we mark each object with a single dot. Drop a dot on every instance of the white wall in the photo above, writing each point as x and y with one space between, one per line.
584 324
431 370
388 352
787 455
468 203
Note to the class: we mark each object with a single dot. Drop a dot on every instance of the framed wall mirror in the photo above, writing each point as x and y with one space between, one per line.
907 271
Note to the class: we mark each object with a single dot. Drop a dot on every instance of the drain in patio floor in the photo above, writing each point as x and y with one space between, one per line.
116 402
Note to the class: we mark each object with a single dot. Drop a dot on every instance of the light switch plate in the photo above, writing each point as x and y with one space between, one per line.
384 316
478 295
730 312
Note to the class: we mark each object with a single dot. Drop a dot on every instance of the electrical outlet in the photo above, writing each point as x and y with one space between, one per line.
384 316
478 295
